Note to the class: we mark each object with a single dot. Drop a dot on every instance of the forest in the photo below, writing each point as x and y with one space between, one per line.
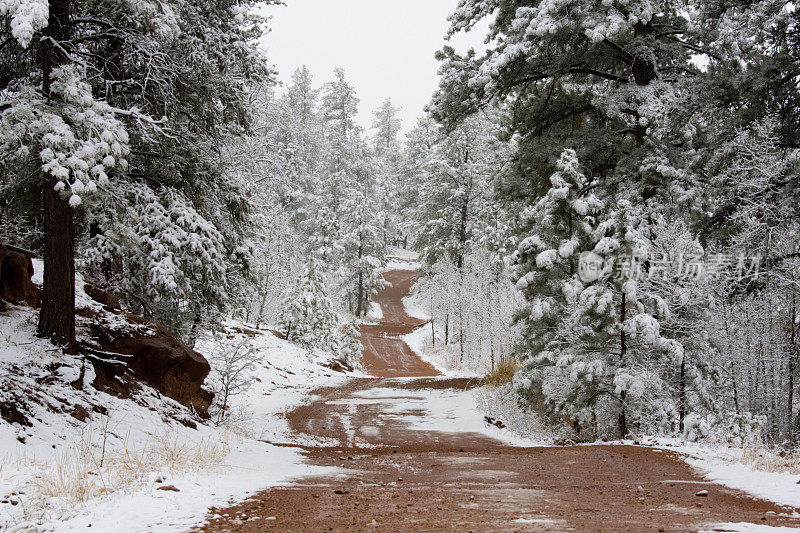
604 199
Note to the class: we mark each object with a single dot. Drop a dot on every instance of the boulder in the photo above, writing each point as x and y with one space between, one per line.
16 271
109 300
157 358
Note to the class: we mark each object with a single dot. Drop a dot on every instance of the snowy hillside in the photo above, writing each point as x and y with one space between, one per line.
86 457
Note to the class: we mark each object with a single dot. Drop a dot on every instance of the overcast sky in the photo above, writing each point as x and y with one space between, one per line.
386 47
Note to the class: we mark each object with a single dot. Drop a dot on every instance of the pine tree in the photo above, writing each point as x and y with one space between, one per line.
386 124
308 316
350 348
455 189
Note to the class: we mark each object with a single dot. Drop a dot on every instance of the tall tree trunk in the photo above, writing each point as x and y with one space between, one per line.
194 332
623 421
682 393
360 304
792 357
57 316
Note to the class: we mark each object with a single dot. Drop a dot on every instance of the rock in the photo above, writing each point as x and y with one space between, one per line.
170 488
341 491
80 413
109 300
11 414
701 493
494 422
16 271
155 357
640 488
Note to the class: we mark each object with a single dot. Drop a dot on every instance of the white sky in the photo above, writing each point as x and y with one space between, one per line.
385 47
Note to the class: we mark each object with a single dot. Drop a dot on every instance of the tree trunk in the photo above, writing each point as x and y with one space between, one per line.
462 235
360 303
194 332
682 393
57 316
792 356
623 422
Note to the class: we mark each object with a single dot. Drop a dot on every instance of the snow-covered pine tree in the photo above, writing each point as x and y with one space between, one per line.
545 267
144 89
677 272
50 117
455 188
308 316
615 340
388 170
349 348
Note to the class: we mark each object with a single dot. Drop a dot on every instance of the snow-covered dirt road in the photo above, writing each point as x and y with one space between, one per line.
415 455
385 353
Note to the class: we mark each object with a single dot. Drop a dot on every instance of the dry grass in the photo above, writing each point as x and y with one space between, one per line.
503 372
766 460
90 471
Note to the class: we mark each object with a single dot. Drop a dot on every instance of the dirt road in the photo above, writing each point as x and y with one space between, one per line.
385 354
411 460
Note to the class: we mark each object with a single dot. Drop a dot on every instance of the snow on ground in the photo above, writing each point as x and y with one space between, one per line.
284 377
375 312
442 358
440 410
416 306
723 465
93 458
401 259
744 527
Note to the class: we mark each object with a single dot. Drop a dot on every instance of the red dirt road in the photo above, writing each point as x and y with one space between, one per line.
398 472
385 354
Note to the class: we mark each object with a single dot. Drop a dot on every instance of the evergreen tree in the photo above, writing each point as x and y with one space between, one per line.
455 189
350 348
308 316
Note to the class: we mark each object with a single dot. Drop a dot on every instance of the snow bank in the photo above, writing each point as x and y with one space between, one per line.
375 312
442 410
722 466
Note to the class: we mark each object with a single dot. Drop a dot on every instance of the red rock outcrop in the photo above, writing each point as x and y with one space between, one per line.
155 357
16 271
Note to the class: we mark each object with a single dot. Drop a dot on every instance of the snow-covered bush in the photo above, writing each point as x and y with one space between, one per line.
695 427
